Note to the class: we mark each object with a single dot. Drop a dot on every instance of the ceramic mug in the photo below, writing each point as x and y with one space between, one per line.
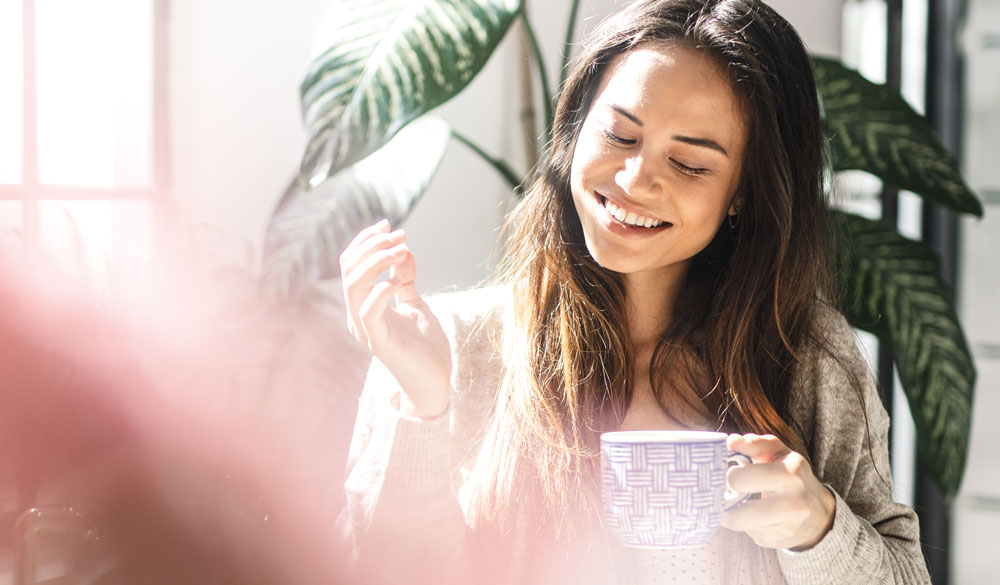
664 489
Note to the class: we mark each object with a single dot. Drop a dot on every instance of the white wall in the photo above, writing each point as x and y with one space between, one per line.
235 129
977 509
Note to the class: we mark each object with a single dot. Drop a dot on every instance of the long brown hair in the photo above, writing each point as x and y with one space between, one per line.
743 315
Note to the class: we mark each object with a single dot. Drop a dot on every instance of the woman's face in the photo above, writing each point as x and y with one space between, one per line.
657 161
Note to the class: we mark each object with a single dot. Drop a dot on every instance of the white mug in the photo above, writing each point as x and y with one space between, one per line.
665 489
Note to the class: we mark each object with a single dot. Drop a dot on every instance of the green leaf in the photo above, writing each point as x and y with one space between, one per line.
892 286
310 229
383 63
871 128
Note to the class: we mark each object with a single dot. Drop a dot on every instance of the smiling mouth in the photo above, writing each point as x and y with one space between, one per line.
628 218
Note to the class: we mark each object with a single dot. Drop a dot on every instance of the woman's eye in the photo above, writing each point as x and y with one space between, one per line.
615 138
688 170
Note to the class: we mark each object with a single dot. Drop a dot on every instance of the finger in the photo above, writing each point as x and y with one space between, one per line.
380 227
355 332
761 478
404 274
755 515
771 522
359 280
760 448
372 313
365 247
362 249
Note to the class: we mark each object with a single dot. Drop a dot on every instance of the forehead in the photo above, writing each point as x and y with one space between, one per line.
674 85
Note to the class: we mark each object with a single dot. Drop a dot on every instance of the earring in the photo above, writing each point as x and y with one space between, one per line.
734 220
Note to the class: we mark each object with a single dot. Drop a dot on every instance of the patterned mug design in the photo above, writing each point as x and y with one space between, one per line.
665 489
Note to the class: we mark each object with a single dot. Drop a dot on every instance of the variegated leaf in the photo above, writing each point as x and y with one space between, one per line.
381 63
310 229
892 286
871 128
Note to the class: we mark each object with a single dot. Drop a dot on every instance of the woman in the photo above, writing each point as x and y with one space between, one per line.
666 270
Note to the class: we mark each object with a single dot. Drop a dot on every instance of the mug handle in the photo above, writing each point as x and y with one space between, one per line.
737 458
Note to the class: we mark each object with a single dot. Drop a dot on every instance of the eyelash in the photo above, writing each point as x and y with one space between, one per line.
688 170
680 166
617 139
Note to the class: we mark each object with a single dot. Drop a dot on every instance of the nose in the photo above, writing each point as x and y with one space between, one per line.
639 177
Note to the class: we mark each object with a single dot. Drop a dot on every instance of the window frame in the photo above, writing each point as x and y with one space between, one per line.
30 192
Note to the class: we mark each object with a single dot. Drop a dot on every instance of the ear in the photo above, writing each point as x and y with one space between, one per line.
736 207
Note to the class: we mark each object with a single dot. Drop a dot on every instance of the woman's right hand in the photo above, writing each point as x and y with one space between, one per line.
406 337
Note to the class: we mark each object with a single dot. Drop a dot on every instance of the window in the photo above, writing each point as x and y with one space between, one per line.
82 120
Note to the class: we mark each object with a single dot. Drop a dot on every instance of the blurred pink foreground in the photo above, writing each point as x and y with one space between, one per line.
184 431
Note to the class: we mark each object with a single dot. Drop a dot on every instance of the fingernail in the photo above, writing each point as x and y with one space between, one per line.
383 223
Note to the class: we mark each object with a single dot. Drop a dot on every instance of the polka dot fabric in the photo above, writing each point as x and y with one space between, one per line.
728 559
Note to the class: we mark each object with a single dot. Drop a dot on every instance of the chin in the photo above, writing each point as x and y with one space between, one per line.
610 261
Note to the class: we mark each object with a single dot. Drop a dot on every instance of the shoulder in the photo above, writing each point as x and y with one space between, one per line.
832 333
471 317
834 393
470 307
469 304
832 349
474 322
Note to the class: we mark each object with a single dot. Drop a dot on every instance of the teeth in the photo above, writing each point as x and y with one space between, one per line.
630 218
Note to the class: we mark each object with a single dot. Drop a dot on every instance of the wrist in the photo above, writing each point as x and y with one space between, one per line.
828 506
410 409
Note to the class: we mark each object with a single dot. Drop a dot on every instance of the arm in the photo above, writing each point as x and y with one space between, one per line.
403 515
873 539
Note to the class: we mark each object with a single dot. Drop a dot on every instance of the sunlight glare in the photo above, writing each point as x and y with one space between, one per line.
10 227
11 97
95 92
78 235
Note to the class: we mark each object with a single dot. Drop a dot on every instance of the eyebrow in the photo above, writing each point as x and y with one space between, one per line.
692 140
703 142
627 114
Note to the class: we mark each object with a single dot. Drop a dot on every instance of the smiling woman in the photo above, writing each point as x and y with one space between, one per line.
666 270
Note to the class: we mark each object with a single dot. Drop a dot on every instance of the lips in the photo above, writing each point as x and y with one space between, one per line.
630 219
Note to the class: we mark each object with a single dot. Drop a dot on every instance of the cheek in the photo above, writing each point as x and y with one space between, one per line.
707 211
589 152
581 158
581 171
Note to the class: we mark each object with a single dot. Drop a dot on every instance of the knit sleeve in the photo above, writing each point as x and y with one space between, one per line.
874 539
403 518
403 514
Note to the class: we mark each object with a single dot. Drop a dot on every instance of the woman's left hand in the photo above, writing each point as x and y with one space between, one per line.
795 510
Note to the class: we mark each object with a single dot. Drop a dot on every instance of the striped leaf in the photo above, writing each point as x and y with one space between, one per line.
382 63
871 128
309 229
892 287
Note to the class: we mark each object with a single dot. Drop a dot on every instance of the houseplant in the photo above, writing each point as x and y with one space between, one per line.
384 65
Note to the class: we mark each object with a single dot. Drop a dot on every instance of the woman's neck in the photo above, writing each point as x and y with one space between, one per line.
651 298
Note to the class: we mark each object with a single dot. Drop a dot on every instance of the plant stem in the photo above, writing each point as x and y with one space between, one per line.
547 96
568 43
501 166
528 114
